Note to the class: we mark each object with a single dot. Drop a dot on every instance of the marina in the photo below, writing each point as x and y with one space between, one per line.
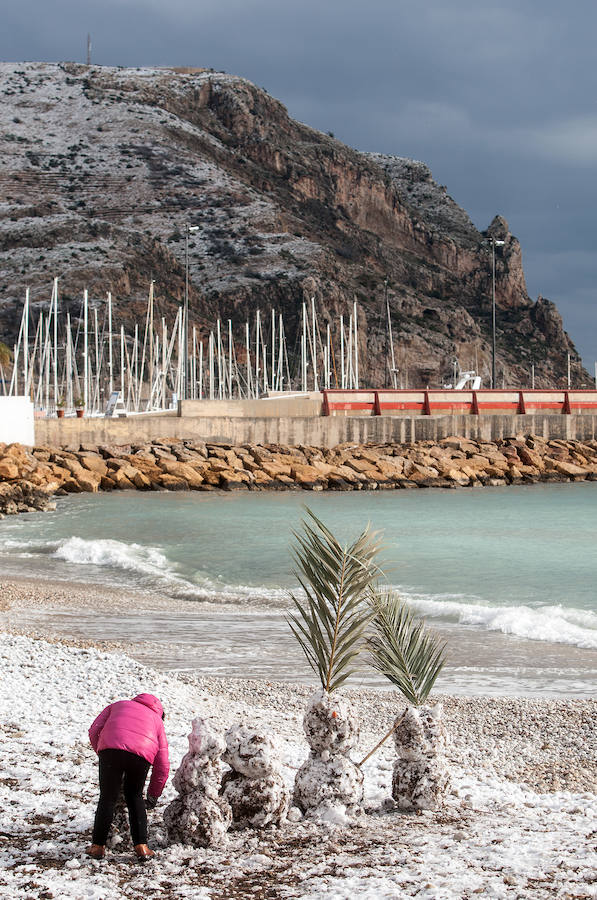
70 365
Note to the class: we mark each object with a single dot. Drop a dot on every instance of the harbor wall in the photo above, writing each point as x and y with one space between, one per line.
318 431
274 407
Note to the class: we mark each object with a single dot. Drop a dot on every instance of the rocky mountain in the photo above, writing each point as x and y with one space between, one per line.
102 170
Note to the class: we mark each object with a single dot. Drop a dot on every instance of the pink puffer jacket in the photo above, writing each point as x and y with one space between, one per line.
137 726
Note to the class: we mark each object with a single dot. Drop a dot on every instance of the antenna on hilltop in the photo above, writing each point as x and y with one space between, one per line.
88 49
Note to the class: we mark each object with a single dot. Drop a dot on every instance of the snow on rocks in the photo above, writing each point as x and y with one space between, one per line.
420 778
329 785
199 816
254 786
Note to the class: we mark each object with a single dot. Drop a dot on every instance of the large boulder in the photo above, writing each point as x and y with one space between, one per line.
9 471
88 481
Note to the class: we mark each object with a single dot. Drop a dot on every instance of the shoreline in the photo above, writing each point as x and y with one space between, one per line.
199 636
27 592
555 737
516 823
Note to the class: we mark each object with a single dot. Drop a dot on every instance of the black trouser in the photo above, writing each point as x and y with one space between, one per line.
121 768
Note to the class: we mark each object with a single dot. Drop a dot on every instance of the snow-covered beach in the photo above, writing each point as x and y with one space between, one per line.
520 821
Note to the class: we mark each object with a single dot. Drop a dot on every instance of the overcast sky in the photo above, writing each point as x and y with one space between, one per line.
498 98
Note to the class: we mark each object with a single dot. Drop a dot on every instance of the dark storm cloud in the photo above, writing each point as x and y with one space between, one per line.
499 99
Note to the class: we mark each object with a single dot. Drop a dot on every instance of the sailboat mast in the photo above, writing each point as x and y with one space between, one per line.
85 349
391 339
110 358
356 345
304 350
26 338
257 326
314 344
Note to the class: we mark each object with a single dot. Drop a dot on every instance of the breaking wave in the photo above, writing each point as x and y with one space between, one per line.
149 568
114 554
555 624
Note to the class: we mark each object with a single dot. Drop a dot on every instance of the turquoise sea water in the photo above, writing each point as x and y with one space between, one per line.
496 568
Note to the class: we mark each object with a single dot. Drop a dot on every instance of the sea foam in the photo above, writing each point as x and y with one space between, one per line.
114 554
555 624
149 567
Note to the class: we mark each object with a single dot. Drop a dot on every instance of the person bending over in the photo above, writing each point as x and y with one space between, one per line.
129 738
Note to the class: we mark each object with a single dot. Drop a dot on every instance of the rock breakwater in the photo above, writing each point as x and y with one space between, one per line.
30 477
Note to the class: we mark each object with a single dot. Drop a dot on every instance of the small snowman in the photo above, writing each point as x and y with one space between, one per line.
329 784
421 777
199 815
254 786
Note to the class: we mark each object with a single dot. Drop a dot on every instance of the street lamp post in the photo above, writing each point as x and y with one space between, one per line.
189 229
494 244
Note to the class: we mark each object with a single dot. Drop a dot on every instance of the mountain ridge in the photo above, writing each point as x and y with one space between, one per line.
103 168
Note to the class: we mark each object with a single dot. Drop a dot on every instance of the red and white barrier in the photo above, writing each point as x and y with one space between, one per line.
444 402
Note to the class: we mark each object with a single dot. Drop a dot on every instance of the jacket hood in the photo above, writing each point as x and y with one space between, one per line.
152 702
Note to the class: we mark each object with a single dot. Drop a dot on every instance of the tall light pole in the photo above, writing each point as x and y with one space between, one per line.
189 229
494 244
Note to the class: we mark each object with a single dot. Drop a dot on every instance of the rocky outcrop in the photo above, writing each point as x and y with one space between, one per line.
29 478
25 485
282 212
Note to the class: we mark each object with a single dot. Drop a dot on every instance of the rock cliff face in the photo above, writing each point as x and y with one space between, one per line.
103 169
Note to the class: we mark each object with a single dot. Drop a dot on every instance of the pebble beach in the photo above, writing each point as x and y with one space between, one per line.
519 821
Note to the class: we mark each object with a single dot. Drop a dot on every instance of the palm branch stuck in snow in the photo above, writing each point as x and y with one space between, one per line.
331 620
403 649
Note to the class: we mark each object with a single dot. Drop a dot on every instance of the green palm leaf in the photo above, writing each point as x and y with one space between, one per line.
331 620
403 649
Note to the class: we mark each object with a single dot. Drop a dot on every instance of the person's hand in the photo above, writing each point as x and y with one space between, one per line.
150 802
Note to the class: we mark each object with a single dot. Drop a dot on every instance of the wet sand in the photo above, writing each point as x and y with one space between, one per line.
219 639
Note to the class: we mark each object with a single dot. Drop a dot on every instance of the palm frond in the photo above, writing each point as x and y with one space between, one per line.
331 620
403 649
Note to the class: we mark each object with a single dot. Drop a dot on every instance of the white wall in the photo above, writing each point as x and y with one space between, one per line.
16 421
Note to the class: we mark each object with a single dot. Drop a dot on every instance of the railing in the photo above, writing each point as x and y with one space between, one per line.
441 402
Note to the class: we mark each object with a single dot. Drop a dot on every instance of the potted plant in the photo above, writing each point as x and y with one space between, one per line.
60 408
80 407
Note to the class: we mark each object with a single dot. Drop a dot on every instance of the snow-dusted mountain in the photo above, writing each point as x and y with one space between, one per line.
102 169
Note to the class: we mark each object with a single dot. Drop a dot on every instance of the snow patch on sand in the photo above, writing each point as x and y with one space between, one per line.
493 837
